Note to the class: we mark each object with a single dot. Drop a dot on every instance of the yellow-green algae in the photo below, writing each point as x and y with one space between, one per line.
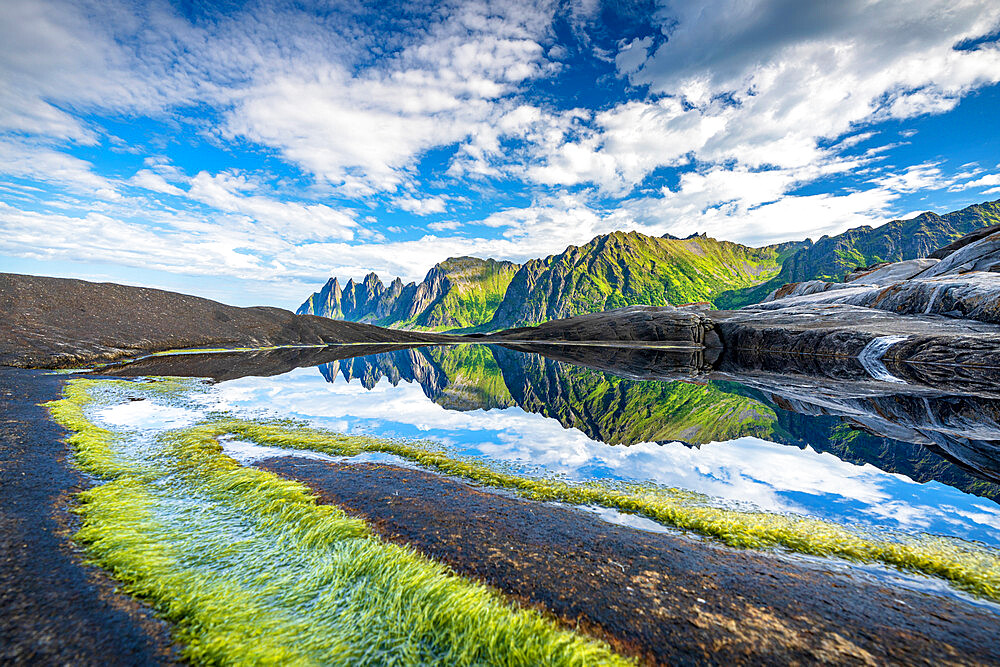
253 571
969 566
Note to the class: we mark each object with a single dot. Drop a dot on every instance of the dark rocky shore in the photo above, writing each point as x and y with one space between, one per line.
54 609
663 598
57 323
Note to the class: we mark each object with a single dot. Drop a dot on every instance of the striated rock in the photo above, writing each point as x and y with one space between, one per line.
388 298
799 289
327 300
974 296
430 290
979 255
962 285
885 273
833 257
934 351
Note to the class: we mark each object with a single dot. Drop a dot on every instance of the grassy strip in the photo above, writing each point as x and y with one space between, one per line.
253 571
967 566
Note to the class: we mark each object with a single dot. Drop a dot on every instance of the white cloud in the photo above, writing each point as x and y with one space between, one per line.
444 225
292 221
364 130
150 180
421 206
760 83
28 159
927 176
986 181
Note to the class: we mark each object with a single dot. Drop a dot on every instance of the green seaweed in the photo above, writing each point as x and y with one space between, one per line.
964 564
252 570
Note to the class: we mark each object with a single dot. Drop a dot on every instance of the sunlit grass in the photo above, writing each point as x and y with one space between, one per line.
252 570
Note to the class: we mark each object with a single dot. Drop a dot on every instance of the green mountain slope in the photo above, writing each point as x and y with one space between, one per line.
474 290
622 269
832 257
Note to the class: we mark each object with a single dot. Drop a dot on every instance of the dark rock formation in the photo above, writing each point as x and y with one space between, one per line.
644 325
53 322
221 366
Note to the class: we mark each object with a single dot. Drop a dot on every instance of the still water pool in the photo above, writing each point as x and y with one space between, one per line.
738 445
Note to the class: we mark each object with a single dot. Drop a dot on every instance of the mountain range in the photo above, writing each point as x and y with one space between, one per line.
628 268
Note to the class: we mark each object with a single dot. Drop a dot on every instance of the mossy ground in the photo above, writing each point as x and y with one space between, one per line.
252 570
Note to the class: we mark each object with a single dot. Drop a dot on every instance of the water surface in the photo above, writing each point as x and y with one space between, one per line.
739 445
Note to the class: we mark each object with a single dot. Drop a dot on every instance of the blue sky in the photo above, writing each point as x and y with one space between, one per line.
248 151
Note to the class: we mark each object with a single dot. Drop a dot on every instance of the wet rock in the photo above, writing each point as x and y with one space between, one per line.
825 331
664 325
963 428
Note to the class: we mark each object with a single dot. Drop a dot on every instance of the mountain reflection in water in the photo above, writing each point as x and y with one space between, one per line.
909 435
825 440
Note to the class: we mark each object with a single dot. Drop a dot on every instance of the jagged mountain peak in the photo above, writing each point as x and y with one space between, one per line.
457 292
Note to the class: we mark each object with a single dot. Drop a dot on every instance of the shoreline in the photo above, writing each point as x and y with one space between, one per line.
54 607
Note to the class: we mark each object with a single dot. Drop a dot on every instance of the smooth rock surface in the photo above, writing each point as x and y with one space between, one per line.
981 255
52 322
891 273
974 296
